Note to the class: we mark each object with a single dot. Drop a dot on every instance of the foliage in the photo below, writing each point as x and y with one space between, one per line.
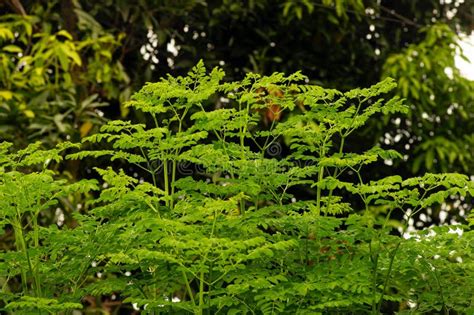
211 222
52 84
427 76
28 201
338 43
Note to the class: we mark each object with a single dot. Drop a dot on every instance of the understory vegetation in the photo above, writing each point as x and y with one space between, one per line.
205 210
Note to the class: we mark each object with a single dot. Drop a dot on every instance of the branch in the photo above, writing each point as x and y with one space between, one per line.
399 16
17 7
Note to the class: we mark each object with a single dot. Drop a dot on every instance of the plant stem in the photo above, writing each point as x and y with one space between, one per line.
335 173
36 244
318 190
166 182
21 245
390 266
188 287
201 292
375 259
173 166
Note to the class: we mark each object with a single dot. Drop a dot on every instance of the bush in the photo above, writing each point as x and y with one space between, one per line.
221 215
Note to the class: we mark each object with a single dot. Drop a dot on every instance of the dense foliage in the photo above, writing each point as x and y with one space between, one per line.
210 221
267 193
53 84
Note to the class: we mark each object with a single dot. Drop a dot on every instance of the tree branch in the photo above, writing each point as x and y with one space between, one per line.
17 7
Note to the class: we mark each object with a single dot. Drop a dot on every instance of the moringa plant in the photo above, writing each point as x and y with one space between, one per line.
197 214
35 270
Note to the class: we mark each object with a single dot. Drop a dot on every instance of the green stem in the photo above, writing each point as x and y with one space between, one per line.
173 180
445 310
188 287
243 131
318 190
392 259
335 173
322 154
173 167
201 274
201 292
36 244
21 245
390 266
166 182
375 261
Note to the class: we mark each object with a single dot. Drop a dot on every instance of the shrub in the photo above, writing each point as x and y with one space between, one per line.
224 215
